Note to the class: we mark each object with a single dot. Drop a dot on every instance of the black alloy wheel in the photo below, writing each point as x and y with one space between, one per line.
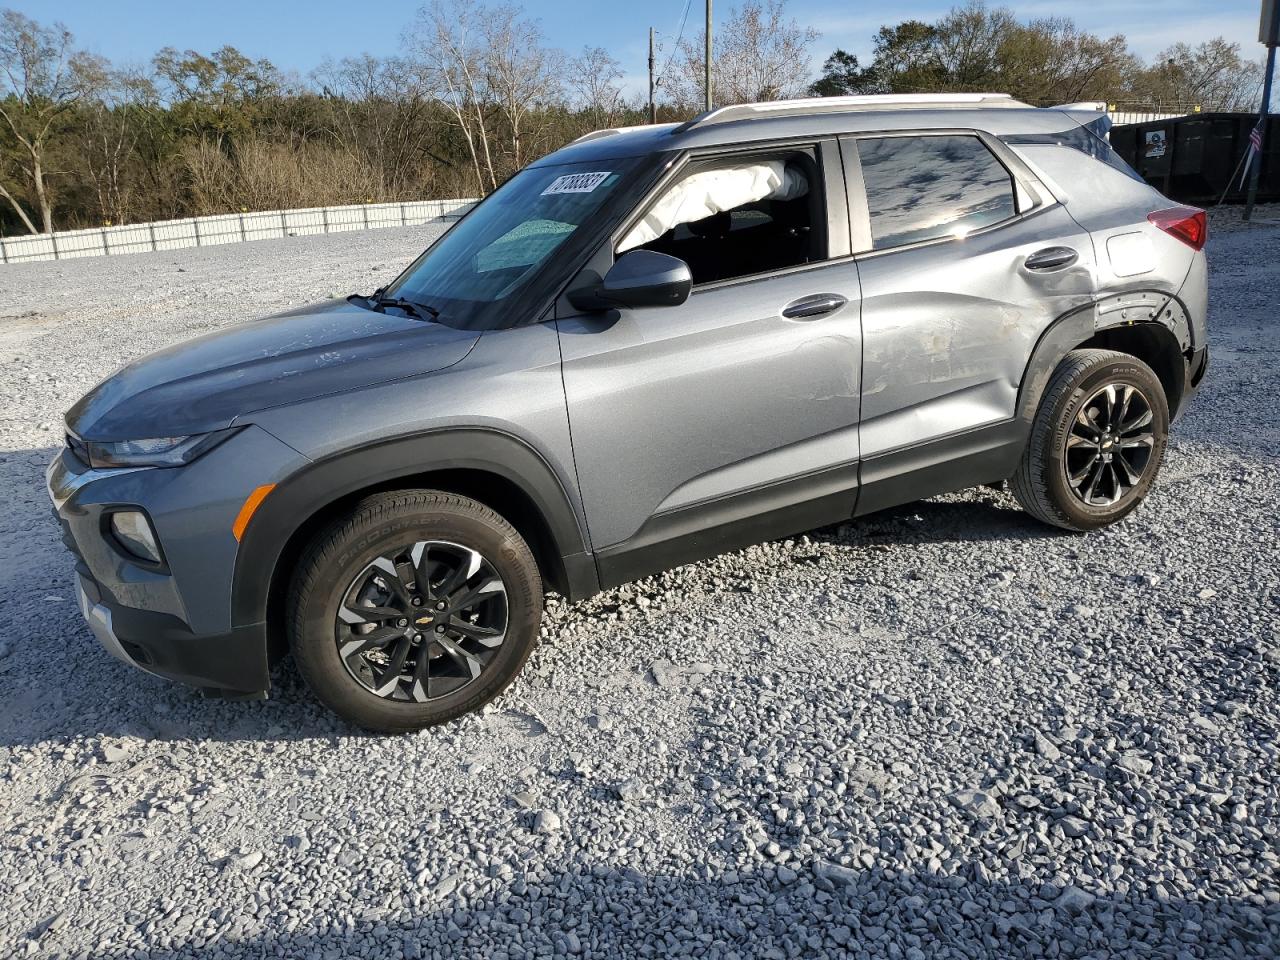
1096 441
416 607
1108 448
423 621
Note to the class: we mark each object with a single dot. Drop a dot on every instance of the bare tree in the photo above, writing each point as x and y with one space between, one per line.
760 54
1051 60
447 44
967 44
521 74
109 130
593 80
41 78
1211 74
381 114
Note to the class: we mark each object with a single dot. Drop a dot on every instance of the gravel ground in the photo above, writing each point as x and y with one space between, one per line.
944 731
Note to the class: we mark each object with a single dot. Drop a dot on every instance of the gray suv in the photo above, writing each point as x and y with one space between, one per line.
646 348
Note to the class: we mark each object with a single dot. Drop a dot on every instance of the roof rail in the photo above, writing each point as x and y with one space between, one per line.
818 105
610 131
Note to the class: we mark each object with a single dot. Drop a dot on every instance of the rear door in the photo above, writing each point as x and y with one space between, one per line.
965 260
737 404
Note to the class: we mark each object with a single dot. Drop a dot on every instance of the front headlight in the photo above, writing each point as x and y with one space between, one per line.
155 451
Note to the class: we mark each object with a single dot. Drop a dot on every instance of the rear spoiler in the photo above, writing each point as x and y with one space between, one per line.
1090 114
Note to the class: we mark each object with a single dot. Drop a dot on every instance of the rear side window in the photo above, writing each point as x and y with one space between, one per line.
928 188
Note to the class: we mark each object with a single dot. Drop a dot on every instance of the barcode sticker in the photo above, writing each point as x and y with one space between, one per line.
576 183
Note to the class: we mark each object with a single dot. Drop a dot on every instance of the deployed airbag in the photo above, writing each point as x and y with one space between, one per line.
708 192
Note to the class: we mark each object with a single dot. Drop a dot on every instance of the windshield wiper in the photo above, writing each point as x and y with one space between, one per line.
377 301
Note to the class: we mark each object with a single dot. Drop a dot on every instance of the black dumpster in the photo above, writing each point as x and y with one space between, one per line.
1197 158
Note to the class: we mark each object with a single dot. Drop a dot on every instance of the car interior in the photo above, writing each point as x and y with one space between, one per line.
747 234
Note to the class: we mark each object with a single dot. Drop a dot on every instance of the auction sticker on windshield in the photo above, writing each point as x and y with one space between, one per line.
576 183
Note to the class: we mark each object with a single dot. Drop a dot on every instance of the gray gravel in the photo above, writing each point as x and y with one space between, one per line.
944 731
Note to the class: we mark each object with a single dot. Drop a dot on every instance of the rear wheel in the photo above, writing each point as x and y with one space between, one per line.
416 608
1096 443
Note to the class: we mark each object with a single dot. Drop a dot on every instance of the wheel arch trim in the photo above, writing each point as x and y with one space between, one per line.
300 499
1132 311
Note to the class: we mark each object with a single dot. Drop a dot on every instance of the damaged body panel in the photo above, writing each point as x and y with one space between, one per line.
949 329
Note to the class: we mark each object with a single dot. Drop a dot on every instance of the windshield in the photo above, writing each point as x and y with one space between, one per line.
503 248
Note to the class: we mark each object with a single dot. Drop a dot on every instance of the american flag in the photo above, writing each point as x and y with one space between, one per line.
1255 148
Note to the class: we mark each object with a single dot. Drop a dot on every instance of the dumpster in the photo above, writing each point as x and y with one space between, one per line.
1197 158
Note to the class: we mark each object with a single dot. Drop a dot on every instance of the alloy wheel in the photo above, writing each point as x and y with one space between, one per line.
1109 445
422 622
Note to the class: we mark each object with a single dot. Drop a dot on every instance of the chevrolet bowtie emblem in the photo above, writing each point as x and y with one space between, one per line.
423 621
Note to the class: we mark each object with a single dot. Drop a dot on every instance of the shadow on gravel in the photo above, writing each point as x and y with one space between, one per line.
992 517
90 694
600 911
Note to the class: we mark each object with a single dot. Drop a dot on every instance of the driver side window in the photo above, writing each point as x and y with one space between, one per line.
736 217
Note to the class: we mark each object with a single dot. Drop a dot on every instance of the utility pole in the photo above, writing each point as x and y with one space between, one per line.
1268 33
707 64
653 107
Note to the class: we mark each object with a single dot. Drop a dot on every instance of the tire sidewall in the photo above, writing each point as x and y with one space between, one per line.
355 546
1119 372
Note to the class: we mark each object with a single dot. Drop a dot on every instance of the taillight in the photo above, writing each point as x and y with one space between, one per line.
1188 224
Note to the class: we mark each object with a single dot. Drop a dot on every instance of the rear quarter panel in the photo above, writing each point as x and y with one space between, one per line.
1132 254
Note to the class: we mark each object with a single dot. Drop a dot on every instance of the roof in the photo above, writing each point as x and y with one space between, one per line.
997 114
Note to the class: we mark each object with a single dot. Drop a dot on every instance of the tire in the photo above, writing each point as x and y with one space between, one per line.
397 574
1075 409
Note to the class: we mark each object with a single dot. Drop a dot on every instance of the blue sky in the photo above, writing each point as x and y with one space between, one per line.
299 35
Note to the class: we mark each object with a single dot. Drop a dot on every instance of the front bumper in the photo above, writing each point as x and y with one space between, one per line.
98 615
171 619
234 665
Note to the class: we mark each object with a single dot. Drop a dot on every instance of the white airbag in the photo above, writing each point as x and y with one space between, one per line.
708 192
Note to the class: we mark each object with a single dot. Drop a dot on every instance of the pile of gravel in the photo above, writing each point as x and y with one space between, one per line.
944 731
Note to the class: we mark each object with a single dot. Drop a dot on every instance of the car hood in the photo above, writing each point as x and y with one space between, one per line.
207 383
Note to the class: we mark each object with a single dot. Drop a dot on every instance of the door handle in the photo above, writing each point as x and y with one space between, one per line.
812 307
1051 258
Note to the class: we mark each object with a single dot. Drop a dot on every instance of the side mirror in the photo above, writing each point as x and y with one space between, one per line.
639 278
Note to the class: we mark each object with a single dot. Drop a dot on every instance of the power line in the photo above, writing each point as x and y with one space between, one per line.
679 36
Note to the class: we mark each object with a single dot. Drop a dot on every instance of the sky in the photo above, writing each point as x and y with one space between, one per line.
300 35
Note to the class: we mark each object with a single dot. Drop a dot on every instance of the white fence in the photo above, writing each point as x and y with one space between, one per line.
226 228
1121 117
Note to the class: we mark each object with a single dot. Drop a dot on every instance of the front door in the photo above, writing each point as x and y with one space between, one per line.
732 417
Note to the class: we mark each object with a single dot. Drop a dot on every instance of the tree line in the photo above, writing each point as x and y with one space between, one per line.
1042 61
475 92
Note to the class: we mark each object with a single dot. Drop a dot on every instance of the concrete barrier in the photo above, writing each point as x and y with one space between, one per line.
226 228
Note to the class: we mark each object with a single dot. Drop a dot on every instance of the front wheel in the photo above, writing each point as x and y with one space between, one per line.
1096 443
416 608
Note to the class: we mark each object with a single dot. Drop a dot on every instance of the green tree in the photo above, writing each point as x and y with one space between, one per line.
217 96
979 48
906 60
842 76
